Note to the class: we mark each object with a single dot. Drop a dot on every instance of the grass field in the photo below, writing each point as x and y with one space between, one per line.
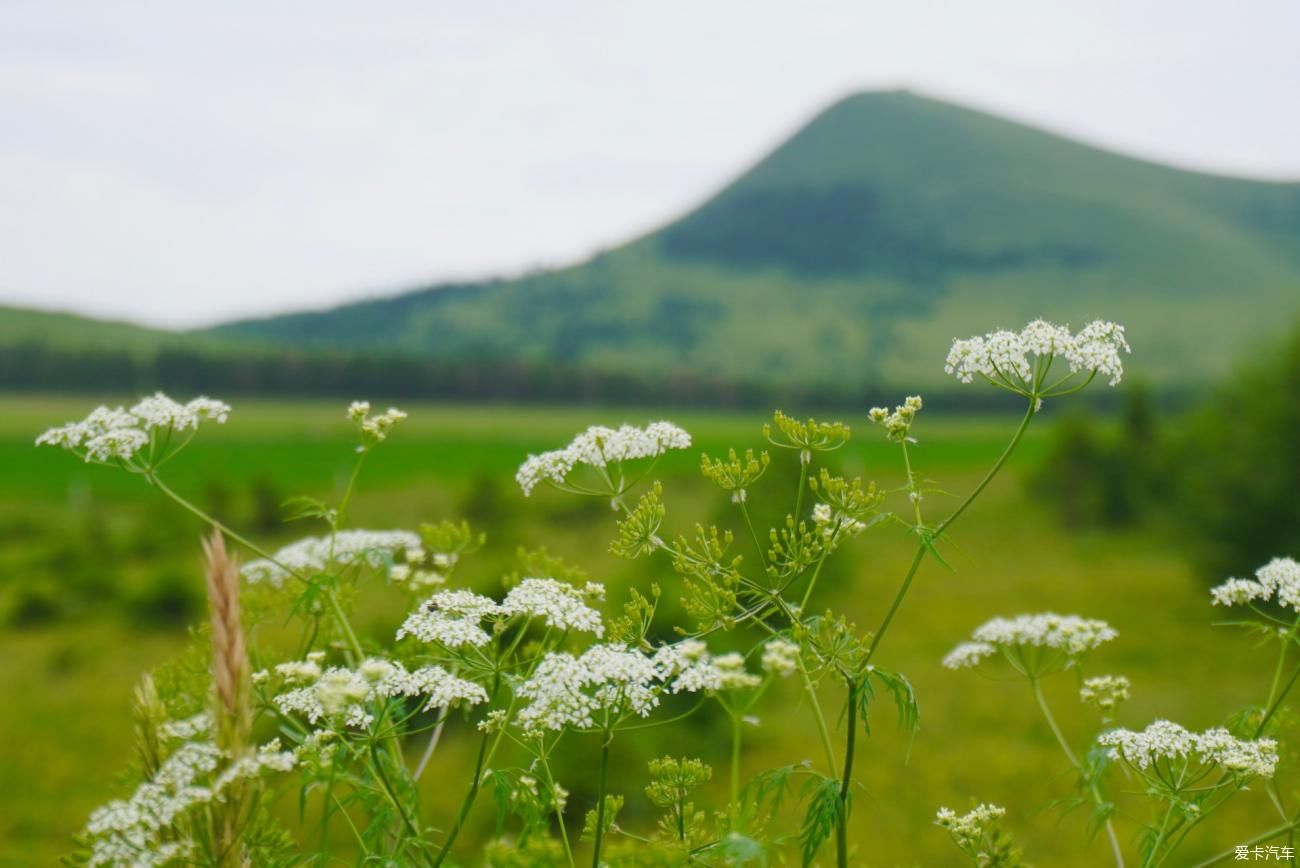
98 579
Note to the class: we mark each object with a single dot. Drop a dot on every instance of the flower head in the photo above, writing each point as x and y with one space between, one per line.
780 657
1165 741
347 548
1105 692
1019 361
108 436
560 605
1035 644
898 424
374 429
970 830
600 447
452 619
1279 578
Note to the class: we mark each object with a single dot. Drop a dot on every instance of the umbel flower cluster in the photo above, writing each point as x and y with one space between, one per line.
1165 742
485 675
1277 581
1023 640
135 438
1021 361
600 449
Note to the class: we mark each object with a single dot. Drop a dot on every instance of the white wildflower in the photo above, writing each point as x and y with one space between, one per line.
562 606
1238 592
969 830
147 829
1003 357
452 619
1166 741
694 670
780 657
345 549
1278 578
188 729
599 446
604 684
898 424
1068 633
968 654
1106 692
109 435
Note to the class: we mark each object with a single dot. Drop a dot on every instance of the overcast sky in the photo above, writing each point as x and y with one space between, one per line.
180 164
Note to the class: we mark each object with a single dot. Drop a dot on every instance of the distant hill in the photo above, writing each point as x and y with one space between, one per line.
860 247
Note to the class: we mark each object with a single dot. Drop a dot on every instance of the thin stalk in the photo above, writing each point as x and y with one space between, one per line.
758 545
803 483
842 822
600 802
433 745
1116 851
559 811
1258 839
1153 856
822 729
735 764
898 601
392 796
812 583
1277 703
988 477
467 804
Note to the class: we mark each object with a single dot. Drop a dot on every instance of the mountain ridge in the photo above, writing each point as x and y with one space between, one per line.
855 250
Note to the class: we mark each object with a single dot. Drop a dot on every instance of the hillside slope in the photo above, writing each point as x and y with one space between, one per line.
857 249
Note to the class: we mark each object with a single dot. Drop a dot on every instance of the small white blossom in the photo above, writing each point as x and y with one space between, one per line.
1166 741
1069 633
599 446
313 554
968 654
780 657
1106 692
1278 578
969 830
109 435
147 829
188 729
452 619
562 606
694 670
1004 356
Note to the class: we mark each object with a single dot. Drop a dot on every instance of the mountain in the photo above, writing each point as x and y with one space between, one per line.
56 330
860 247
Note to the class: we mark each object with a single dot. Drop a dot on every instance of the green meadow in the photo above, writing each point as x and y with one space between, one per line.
99 580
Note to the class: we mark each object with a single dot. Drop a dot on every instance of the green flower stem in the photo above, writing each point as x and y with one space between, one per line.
559 811
1153 857
758 545
467 804
988 477
600 801
822 729
735 763
392 796
1276 703
1095 792
850 742
1258 839
803 483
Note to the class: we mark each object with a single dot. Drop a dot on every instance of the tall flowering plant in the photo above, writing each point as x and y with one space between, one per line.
539 658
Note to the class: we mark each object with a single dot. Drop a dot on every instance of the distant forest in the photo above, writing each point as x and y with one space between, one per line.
40 367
